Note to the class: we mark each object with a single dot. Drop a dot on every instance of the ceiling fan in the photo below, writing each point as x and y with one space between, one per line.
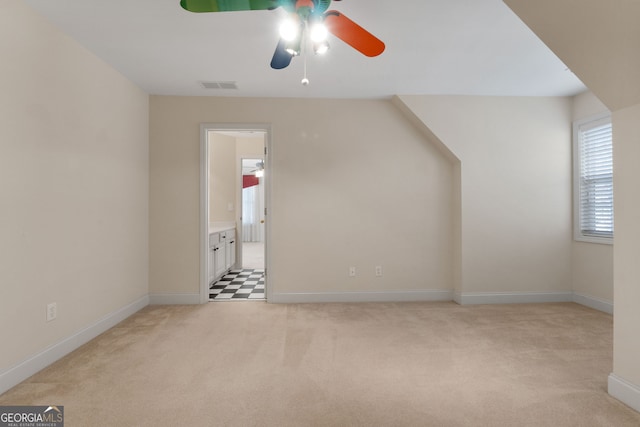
259 170
306 18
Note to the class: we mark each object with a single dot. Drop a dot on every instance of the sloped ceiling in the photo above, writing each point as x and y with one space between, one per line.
598 40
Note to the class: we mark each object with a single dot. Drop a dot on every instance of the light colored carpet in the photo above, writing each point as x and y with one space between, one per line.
370 364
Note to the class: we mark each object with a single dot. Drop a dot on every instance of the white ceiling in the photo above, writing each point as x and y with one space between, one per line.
470 47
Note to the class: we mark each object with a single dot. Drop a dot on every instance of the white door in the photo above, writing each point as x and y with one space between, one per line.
253 213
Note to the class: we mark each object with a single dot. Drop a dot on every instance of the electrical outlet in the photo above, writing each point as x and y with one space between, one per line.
52 311
378 270
352 272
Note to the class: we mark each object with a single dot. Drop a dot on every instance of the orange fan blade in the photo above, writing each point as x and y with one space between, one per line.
353 34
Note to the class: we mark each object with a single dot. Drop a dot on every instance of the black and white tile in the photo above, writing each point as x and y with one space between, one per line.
245 284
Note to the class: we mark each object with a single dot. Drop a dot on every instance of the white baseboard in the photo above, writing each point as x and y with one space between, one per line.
512 297
443 295
595 303
174 299
457 297
15 375
624 391
398 296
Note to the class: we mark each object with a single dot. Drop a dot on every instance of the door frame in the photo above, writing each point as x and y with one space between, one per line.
205 128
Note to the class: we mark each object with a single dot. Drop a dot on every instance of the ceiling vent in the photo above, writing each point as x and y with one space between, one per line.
219 85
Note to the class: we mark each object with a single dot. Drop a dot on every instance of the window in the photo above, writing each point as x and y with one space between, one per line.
593 180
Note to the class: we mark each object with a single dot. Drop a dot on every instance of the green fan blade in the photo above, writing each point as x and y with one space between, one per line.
321 6
226 5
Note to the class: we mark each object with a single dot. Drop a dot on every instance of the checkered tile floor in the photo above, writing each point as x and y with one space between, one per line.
239 285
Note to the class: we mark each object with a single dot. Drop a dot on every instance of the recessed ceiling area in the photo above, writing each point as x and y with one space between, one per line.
465 47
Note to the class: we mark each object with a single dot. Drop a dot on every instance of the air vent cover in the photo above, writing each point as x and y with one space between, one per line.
219 85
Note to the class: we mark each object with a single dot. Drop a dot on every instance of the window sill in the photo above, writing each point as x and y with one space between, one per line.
593 239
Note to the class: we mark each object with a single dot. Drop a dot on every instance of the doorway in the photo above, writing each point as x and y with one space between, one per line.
252 213
234 204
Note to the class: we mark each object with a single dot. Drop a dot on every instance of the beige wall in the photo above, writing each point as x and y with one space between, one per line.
515 157
353 184
223 169
74 185
626 152
591 263
343 187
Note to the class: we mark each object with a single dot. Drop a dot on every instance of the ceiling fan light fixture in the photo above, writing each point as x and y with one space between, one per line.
320 48
259 173
308 23
289 30
293 52
293 47
318 32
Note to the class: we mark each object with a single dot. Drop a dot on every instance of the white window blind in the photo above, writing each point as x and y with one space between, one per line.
595 180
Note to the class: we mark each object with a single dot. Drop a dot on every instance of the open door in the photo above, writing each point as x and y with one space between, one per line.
252 213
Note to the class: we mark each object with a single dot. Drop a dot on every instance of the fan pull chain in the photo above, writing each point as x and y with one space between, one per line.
305 80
